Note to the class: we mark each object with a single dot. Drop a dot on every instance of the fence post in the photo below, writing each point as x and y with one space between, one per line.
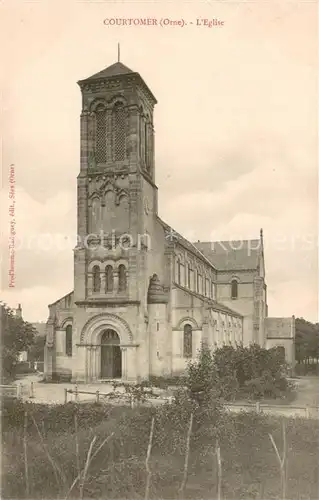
97 396
31 391
307 411
76 394
258 406
65 396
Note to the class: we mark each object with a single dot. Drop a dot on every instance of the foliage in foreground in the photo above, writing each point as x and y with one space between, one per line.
249 464
237 373
16 336
307 346
253 372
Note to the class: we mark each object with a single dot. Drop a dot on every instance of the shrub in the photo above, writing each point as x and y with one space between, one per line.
165 382
252 372
57 418
118 471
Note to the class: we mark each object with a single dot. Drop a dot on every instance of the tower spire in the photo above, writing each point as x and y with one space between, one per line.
118 52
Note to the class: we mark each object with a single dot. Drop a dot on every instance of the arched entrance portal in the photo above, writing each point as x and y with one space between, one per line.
111 359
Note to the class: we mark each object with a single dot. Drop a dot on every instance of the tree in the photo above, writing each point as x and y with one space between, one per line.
307 341
201 378
36 351
17 336
251 371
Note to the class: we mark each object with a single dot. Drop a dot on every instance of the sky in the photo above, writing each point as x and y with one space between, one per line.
236 132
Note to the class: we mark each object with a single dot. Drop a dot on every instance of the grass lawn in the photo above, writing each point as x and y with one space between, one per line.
249 464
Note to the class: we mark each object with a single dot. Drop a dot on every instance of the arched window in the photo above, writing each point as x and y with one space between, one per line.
100 135
188 284
140 134
96 279
109 279
146 143
179 271
188 342
119 132
122 278
68 340
234 289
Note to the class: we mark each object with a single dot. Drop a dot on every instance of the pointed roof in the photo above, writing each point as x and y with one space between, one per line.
231 255
115 69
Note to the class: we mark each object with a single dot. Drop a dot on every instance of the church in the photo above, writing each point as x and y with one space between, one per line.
144 297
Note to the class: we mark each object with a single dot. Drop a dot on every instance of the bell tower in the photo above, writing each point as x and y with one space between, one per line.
116 186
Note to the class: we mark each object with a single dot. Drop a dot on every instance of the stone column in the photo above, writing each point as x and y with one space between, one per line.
89 371
90 283
124 363
103 281
94 356
115 281
86 357
98 362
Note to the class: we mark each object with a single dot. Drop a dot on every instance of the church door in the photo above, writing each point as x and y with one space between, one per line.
111 359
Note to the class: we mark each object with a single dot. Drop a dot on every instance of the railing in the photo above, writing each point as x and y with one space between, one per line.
122 396
284 410
17 391
9 391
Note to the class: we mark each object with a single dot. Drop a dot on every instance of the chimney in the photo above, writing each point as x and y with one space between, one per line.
19 311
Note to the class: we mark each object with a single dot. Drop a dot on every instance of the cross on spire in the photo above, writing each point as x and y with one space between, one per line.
118 52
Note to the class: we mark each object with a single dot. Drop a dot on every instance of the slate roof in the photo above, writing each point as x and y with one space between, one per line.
216 306
231 255
222 255
177 237
115 69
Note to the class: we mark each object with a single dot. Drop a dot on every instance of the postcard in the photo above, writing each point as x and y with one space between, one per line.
159 273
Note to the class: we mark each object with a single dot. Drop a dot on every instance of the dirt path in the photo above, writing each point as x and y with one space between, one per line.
307 391
55 393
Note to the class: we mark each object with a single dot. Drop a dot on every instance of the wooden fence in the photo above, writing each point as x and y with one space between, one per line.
17 391
280 410
9 391
283 410
122 397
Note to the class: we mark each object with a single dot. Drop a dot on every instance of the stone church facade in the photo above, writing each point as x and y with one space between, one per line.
144 297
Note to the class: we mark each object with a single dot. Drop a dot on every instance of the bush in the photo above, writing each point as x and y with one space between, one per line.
249 463
251 372
165 382
57 418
